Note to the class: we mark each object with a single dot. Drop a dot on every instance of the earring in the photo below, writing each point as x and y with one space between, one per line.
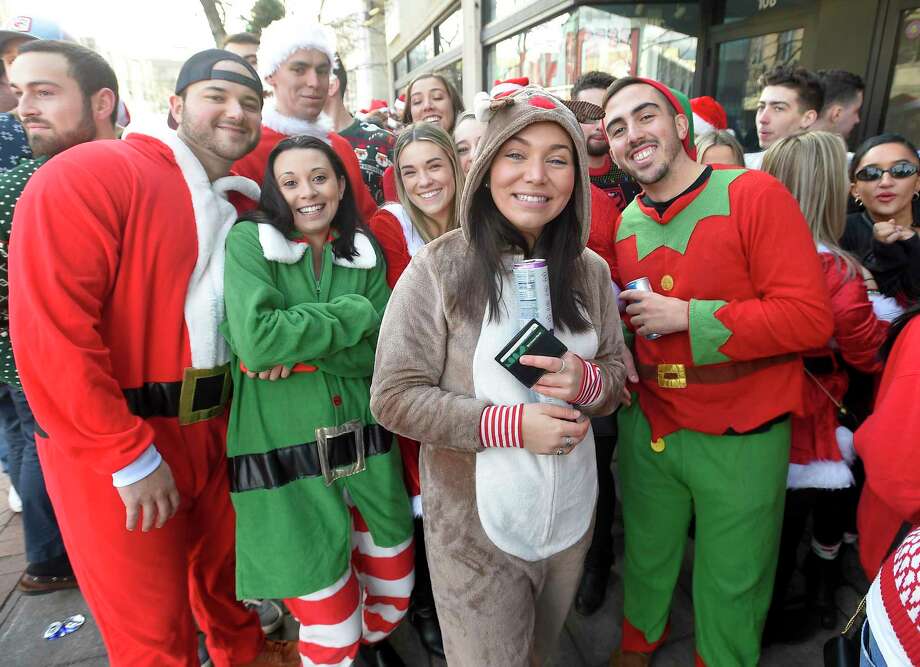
858 201
917 195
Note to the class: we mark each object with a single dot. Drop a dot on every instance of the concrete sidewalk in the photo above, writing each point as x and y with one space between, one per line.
585 642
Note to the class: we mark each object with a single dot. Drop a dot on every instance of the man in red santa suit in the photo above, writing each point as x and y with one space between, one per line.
116 295
295 59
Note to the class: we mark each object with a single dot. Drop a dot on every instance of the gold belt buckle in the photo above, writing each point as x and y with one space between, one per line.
190 377
325 438
672 376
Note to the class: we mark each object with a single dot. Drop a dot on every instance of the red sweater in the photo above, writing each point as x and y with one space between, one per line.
392 241
253 166
604 216
739 250
889 444
858 336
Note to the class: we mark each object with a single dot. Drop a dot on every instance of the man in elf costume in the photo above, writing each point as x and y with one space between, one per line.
116 295
296 59
737 295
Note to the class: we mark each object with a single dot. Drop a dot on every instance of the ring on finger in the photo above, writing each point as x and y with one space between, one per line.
559 451
568 441
562 368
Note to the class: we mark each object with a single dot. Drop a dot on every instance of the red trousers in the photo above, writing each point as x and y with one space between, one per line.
147 590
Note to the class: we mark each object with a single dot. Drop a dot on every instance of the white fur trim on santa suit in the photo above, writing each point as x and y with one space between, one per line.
414 240
214 216
277 248
822 474
282 38
292 127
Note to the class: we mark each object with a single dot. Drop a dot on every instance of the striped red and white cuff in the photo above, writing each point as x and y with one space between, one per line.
501 426
592 384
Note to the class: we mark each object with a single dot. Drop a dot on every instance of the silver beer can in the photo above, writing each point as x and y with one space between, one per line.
643 284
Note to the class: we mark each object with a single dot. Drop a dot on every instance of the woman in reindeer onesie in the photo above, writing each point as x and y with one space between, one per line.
508 484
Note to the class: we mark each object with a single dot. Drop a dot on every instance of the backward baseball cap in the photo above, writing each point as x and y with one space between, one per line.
203 67
33 27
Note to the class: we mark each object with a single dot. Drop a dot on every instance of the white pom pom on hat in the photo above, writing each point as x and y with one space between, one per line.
288 35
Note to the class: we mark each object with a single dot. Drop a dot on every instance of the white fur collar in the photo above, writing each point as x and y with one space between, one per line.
213 218
275 120
277 248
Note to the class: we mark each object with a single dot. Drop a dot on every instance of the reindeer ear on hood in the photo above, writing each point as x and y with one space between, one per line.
585 112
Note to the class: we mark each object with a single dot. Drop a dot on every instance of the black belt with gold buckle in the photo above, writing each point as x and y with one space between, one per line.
339 451
202 394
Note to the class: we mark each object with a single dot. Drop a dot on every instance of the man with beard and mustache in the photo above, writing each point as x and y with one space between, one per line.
605 174
737 296
116 296
66 95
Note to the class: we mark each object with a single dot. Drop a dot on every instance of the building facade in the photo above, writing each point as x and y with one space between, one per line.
705 47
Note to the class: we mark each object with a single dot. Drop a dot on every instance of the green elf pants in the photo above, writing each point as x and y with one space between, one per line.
735 485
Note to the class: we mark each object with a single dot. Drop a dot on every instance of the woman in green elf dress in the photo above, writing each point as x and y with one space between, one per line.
321 510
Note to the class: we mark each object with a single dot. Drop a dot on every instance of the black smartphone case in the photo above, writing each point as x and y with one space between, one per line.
533 338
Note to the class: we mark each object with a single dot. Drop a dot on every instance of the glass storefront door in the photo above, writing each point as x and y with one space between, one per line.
740 62
902 114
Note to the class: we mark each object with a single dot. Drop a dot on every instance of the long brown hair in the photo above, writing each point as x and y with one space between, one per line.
455 100
433 133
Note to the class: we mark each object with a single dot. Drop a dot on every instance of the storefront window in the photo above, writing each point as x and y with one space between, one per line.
741 62
422 52
454 73
499 9
903 113
449 32
640 39
399 67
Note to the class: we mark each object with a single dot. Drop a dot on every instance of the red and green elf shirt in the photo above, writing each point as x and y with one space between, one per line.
739 250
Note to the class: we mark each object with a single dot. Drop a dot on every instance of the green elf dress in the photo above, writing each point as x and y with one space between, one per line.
303 447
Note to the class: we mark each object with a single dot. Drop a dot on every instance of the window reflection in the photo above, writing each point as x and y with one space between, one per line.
422 52
903 113
658 41
741 62
449 32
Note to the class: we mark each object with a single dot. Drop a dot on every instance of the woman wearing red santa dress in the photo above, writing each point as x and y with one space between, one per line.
813 167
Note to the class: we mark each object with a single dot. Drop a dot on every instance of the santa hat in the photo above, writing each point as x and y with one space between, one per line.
400 104
893 604
708 115
501 88
288 35
375 104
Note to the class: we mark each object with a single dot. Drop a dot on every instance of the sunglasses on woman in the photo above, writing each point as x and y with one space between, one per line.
900 170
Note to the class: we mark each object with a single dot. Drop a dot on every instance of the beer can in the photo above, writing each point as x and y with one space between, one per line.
643 284
531 277
63 628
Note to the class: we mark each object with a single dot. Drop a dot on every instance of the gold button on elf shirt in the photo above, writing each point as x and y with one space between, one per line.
658 445
667 283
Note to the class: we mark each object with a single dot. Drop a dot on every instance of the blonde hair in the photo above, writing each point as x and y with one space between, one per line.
428 132
813 167
719 138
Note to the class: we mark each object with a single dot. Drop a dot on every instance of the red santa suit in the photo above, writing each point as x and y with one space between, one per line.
116 295
822 450
276 126
887 443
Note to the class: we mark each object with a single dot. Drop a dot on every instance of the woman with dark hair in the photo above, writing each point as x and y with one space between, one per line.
321 510
508 481
430 98
885 183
